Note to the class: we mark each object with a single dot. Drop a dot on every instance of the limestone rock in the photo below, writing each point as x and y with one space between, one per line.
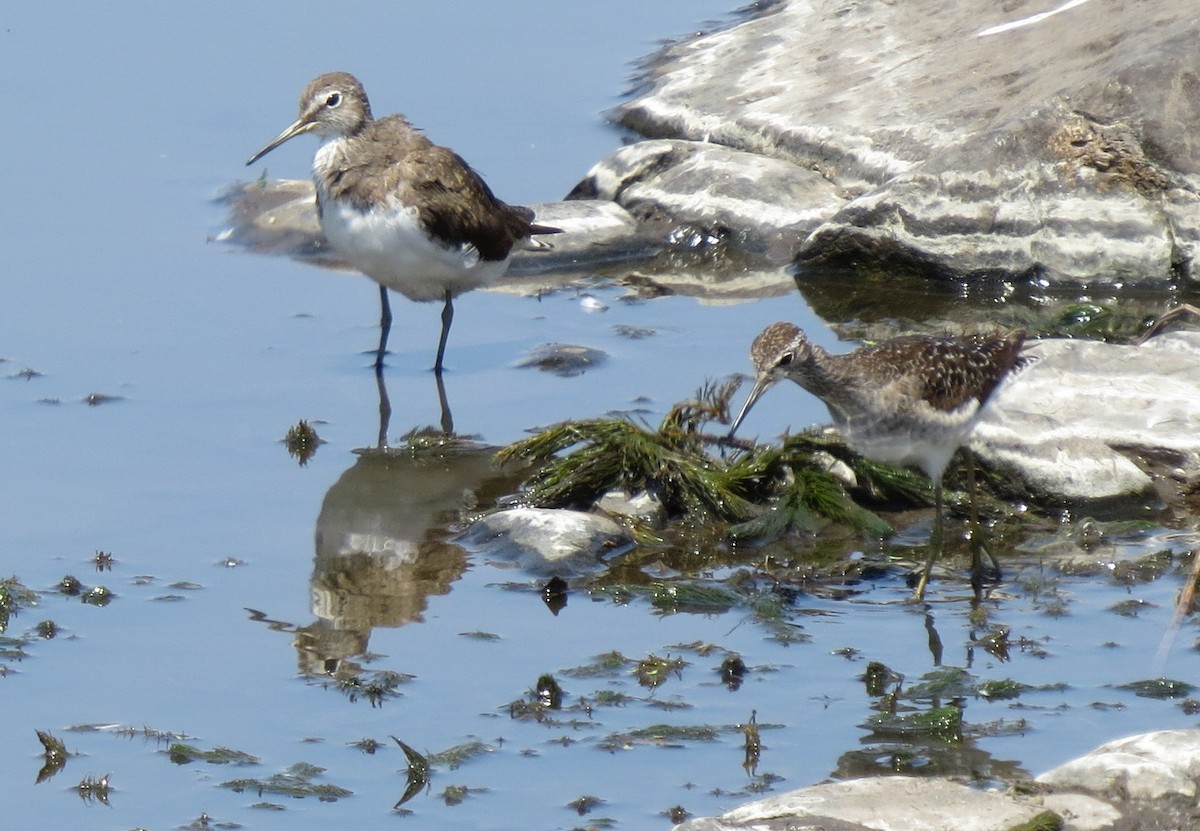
765 204
1148 766
886 803
1045 141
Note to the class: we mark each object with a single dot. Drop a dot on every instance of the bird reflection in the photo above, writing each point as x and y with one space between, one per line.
382 544
385 407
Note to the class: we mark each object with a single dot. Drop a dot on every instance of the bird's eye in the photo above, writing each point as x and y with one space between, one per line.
334 100
786 358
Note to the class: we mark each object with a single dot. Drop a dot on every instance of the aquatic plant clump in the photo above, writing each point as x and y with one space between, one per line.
763 491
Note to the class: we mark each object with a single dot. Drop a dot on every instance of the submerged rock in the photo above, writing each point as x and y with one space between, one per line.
976 140
547 542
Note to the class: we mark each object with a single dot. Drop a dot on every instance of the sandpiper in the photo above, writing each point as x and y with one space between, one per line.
410 214
911 400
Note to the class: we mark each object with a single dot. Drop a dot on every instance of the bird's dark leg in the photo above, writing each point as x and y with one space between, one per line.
978 546
447 319
385 326
935 542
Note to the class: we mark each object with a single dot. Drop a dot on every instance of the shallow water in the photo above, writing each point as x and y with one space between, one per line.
211 354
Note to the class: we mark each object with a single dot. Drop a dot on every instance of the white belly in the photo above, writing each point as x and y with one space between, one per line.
927 438
391 248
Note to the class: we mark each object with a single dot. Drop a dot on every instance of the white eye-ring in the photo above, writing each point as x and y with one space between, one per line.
334 100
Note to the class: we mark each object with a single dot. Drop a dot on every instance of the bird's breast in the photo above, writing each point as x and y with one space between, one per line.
389 244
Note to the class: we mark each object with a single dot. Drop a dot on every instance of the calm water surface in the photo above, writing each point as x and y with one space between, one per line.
129 119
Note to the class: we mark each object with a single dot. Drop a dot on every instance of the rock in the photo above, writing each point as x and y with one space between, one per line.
547 542
886 803
644 506
1148 766
1147 782
564 359
1060 149
765 204
1070 425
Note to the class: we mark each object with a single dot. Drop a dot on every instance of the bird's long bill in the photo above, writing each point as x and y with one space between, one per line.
296 129
761 385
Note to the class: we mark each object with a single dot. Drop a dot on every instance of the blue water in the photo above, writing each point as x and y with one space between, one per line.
125 122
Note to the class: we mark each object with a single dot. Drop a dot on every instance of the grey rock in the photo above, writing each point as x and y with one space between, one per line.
894 803
564 359
1148 781
1081 812
644 506
1149 766
547 542
1063 149
764 203
1070 425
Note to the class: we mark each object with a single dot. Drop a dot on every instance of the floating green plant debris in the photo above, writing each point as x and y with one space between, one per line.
608 664
479 636
995 642
548 692
676 814
878 677
367 745
660 735
693 596
733 672
295 782
653 671
584 804
374 686
942 682
91 789
13 597
12 649
129 731
1002 689
302 442
1001 727
98 596
669 704
457 794
458 755
766 491
612 698
1132 607
185 754
1159 688
1045 821
944 723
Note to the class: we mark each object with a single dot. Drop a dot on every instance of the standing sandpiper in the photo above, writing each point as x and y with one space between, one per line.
911 400
411 215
